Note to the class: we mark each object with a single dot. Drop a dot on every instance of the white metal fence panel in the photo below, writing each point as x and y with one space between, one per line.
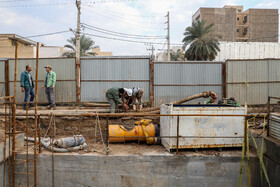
176 80
101 73
252 81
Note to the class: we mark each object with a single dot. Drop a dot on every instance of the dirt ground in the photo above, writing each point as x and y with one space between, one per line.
69 126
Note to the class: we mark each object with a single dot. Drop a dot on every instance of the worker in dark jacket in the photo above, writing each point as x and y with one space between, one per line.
27 85
113 95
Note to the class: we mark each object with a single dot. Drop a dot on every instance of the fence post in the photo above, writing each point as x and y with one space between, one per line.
151 83
224 80
78 82
7 80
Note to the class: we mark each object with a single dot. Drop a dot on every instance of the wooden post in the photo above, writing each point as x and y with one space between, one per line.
107 137
151 83
245 136
224 80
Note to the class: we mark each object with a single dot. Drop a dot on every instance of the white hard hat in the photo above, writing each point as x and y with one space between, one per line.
129 92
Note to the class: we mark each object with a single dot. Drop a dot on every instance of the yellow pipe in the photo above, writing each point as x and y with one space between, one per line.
130 135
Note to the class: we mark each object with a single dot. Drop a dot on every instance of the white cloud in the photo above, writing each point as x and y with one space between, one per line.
142 17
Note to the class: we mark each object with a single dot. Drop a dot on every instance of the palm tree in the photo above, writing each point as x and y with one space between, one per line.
86 44
177 56
203 45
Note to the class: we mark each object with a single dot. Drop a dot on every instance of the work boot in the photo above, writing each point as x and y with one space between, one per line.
140 107
52 107
49 106
134 107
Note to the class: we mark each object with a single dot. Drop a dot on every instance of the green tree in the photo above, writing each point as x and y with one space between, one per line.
203 45
177 56
86 45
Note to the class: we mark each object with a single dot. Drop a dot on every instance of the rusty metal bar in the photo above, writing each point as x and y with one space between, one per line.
56 80
268 115
188 84
9 159
115 80
245 136
107 136
14 115
7 77
252 82
177 143
6 97
26 134
174 136
39 134
151 84
52 140
271 97
188 62
5 139
35 121
114 115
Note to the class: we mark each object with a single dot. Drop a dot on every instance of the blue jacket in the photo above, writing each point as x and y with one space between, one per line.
24 80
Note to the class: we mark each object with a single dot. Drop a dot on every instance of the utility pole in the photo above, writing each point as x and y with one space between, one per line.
78 43
152 49
168 37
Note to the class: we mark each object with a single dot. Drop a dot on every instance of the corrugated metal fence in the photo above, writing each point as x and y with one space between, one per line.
65 89
100 73
252 81
2 79
176 80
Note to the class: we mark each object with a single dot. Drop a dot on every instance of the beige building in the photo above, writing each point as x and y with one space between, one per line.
235 25
7 46
101 53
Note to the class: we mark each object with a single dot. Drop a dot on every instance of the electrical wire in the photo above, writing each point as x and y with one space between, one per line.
122 16
125 40
118 19
58 4
13 1
120 33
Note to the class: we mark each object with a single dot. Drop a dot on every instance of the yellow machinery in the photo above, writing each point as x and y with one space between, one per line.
143 130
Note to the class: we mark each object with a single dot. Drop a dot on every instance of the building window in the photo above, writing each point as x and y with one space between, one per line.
239 10
237 19
245 19
237 30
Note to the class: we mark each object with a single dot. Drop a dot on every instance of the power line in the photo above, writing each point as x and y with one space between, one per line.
59 4
104 32
122 16
118 19
126 40
120 33
13 1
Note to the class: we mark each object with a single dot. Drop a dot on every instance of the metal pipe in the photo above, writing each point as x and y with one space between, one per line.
9 159
268 118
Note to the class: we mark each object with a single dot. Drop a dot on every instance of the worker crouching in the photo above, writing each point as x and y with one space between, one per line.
113 96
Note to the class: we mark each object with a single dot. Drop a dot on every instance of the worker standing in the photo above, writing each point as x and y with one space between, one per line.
49 84
113 95
137 93
27 85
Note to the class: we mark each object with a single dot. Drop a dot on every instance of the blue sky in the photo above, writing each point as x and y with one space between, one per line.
137 17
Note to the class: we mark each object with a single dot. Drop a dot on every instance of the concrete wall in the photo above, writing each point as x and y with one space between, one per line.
23 52
154 170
